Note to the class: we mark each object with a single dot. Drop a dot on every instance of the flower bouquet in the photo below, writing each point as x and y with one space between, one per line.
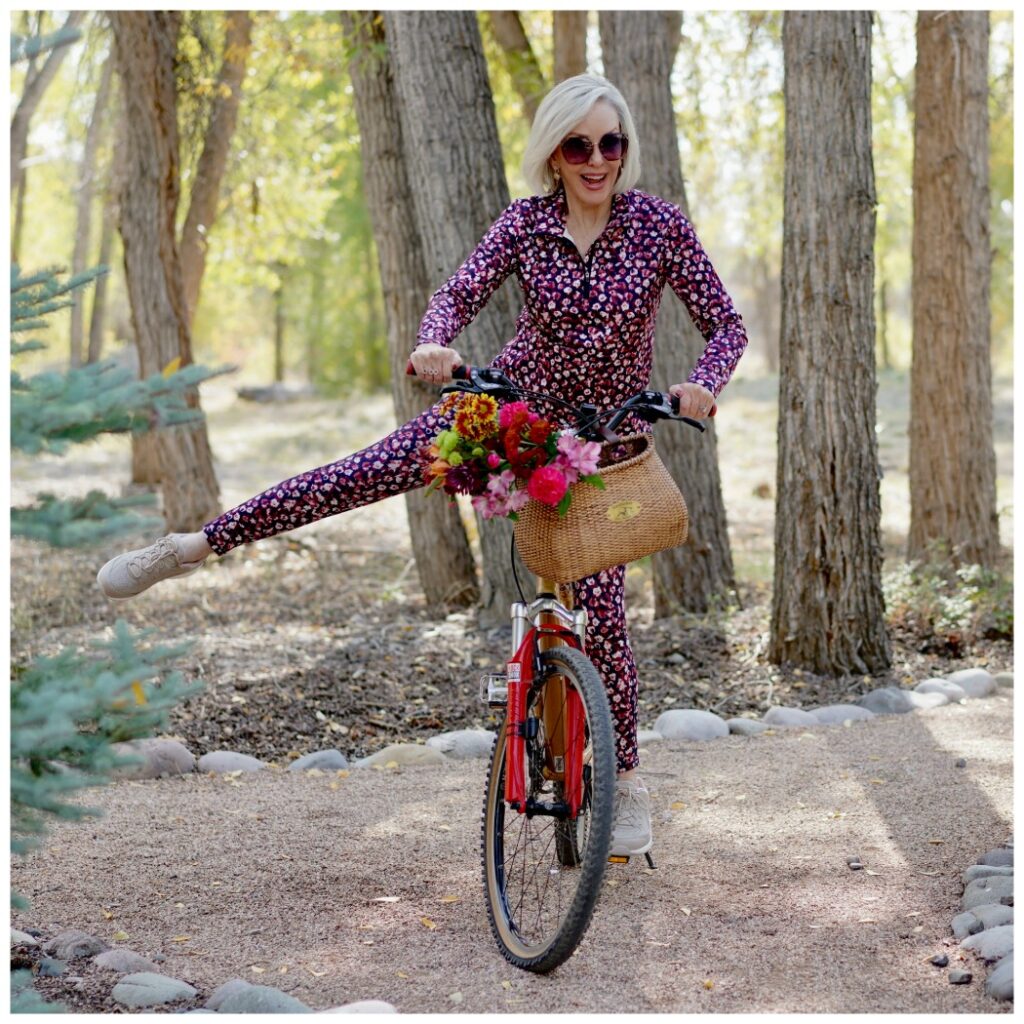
504 456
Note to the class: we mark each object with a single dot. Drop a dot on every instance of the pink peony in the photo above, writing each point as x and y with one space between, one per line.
547 485
510 411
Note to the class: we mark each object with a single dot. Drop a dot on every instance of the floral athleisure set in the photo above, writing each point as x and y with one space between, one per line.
585 334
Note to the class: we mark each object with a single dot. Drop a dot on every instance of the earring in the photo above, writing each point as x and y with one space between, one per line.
557 175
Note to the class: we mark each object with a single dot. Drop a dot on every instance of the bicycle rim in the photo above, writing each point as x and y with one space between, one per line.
542 876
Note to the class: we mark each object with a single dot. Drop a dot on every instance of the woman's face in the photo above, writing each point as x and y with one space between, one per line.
590 184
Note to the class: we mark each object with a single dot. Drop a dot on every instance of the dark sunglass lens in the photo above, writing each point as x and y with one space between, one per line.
613 146
576 150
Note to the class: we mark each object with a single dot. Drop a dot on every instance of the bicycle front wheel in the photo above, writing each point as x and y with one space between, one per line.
543 873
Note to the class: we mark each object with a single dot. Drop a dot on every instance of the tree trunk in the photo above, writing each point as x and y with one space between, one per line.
459 193
639 49
527 77
83 213
145 44
36 85
828 614
952 460
202 210
570 44
444 561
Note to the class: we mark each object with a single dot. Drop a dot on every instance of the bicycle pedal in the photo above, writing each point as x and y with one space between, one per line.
615 858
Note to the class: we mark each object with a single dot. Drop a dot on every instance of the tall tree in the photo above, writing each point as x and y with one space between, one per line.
638 49
523 66
202 210
444 561
828 613
145 44
952 460
83 211
569 31
449 135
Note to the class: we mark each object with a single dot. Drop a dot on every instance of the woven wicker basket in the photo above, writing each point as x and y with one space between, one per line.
640 511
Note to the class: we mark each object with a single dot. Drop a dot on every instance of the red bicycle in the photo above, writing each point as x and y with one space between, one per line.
548 803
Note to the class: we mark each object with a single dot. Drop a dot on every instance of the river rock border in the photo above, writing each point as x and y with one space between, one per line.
984 927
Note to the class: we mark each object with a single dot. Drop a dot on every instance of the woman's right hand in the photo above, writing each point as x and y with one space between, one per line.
434 363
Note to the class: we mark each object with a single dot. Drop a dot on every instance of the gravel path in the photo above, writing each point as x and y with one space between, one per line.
276 877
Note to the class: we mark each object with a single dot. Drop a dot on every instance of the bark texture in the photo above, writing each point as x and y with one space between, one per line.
145 45
639 49
827 606
952 459
460 191
83 204
527 77
444 561
569 30
202 210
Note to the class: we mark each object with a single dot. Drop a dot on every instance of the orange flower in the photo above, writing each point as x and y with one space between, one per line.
476 418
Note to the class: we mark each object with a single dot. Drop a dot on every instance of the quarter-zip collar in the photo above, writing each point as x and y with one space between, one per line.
552 211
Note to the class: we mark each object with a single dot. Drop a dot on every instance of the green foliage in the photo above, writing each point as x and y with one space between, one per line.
67 710
947 607
25 999
64 523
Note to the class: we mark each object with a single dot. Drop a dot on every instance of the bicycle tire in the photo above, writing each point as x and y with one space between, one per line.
544 952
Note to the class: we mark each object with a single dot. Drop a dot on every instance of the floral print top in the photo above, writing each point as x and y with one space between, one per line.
586 329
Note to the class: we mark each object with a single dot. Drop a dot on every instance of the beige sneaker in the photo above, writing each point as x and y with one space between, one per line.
631 833
135 571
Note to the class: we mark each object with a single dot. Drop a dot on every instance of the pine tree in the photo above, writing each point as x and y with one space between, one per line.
68 711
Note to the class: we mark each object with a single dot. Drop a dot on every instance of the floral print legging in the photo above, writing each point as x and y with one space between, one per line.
392 466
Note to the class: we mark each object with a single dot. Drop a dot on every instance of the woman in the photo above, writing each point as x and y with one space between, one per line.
592 255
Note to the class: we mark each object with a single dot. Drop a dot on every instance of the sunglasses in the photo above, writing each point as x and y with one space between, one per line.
577 150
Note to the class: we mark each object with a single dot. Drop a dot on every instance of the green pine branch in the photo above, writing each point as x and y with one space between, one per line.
65 523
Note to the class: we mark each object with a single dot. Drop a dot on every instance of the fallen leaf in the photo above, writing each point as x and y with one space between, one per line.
316 974
386 899
506 984
937 842
456 997
741 796
120 936
257 970
368 942
919 928
685 910
449 899
181 938
678 805
342 773
107 915
868 871
877 782
391 764
801 805
874 757
709 984
334 785
445 828
930 873
402 974
867 920
172 367
179 905
427 923
140 693
282 970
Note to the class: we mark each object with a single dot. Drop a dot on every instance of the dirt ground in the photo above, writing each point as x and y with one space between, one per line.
752 908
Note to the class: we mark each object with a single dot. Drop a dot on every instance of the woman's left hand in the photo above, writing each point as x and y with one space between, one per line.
695 400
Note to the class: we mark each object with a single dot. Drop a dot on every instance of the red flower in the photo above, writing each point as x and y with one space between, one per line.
547 485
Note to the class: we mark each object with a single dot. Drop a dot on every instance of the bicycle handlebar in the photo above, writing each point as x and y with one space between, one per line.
648 405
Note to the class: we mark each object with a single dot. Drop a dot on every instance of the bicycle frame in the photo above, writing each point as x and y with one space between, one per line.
553 624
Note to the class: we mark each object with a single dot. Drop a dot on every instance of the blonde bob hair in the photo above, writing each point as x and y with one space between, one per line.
560 111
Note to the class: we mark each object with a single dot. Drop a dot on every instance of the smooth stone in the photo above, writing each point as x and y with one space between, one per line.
999 984
261 999
886 700
960 762
73 943
986 890
148 989
403 753
778 715
676 659
229 761
1004 679
50 968
159 758
1001 857
690 724
940 960
645 737
992 943
988 915
325 760
836 714
463 744
943 686
124 961
986 871
365 1006
926 701
747 726
22 938
976 682
223 991
960 977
